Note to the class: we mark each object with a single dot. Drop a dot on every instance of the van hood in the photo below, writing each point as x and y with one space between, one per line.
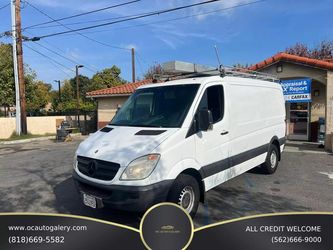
123 144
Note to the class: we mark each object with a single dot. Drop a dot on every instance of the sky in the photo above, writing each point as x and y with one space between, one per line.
245 34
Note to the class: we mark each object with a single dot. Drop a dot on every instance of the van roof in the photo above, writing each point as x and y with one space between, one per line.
204 80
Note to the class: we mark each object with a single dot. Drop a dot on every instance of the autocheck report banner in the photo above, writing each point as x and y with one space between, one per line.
167 226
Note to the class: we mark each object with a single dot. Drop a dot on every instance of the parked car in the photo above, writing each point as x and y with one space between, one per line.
174 141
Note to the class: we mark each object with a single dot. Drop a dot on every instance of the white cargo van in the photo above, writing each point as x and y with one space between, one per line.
176 140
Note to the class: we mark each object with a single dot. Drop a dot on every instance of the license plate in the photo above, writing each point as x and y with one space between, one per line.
89 200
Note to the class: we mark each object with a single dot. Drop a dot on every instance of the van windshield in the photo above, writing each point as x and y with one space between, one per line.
165 106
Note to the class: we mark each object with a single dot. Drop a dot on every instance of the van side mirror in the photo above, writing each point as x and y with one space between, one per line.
205 120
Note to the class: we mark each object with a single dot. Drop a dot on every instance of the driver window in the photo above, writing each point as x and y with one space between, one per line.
212 100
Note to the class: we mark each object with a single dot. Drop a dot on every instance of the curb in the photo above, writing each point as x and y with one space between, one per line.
44 138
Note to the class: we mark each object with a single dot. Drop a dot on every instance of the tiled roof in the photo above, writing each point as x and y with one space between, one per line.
293 58
125 89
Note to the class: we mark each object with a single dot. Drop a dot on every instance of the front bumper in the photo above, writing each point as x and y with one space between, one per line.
129 198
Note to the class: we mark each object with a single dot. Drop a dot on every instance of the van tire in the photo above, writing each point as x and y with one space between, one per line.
272 160
185 189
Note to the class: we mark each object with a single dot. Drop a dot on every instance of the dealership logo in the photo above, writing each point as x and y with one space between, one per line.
92 168
167 229
166 226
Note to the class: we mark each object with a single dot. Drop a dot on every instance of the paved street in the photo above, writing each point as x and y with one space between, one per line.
36 177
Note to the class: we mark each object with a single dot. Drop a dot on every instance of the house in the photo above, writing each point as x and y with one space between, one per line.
308 90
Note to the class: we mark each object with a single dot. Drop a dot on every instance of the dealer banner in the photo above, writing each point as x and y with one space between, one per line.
297 90
167 226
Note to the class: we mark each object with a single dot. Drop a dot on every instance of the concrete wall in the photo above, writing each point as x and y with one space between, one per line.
7 127
291 70
39 125
329 112
107 107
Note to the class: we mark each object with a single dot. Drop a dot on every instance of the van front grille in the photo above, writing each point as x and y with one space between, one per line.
98 169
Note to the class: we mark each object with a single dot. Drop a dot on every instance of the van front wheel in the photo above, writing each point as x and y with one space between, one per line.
185 192
272 160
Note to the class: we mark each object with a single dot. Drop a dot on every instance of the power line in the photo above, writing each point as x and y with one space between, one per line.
51 59
63 71
129 19
71 30
4 6
72 57
58 54
85 13
83 22
174 19
167 20
94 21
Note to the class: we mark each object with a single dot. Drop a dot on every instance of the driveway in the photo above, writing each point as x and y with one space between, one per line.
36 177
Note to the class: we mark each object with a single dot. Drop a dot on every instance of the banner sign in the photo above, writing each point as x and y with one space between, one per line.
297 90
164 227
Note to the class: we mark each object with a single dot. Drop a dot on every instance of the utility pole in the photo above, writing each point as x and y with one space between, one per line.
78 93
59 89
17 88
19 52
133 65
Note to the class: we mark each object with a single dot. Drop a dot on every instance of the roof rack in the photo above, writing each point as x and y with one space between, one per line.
179 70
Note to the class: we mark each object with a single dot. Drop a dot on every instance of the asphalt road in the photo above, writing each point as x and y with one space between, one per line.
36 177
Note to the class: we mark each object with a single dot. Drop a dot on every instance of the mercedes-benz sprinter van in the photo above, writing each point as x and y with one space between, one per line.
176 140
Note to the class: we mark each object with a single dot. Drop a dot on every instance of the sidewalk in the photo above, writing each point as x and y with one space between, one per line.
43 138
304 147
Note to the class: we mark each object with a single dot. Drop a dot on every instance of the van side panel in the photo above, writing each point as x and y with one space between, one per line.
256 115
219 178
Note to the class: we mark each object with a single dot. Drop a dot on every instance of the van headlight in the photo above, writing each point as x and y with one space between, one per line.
141 167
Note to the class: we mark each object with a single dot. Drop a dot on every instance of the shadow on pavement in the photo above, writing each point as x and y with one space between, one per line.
222 204
68 201
225 203
306 146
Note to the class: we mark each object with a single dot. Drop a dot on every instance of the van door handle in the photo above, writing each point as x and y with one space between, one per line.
224 132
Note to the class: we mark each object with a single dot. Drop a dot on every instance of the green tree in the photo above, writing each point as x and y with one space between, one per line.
67 91
7 85
67 96
38 95
68 100
107 78
84 86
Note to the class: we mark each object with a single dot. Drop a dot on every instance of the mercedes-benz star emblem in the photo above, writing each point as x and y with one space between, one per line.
92 168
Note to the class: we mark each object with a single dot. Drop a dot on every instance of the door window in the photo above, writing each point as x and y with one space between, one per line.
212 100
